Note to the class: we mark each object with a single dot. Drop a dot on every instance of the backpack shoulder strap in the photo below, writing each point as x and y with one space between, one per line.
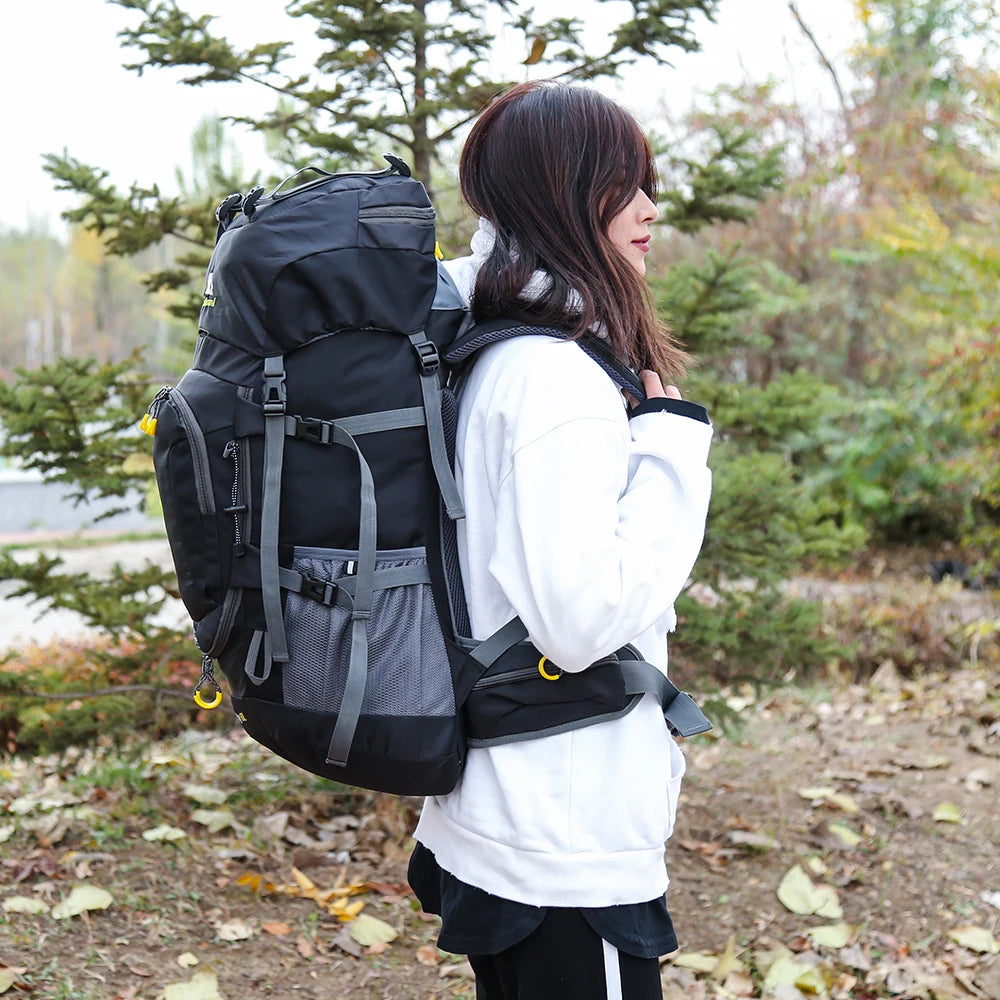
463 350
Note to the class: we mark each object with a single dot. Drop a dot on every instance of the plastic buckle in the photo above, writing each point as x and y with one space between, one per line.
274 394
323 591
313 429
427 357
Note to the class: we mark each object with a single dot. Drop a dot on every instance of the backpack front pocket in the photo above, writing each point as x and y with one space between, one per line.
408 671
184 480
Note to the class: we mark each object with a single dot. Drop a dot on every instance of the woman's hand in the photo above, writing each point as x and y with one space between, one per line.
654 388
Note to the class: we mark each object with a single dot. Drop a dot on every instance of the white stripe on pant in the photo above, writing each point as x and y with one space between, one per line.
612 972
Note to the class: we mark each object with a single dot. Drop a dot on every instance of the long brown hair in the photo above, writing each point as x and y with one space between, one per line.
550 165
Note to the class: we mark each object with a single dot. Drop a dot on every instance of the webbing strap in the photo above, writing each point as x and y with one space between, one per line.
430 387
395 576
274 445
491 649
364 582
253 654
318 431
679 708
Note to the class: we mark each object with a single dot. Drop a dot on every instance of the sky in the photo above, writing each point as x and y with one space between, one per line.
63 85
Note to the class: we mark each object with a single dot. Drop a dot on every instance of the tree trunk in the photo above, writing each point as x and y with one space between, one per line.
422 151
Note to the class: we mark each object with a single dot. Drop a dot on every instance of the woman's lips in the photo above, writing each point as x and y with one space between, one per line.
642 244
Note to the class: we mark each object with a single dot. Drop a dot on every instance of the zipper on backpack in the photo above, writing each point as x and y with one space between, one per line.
523 674
199 452
397 213
236 508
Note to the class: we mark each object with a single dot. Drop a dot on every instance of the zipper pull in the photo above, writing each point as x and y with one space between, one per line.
148 422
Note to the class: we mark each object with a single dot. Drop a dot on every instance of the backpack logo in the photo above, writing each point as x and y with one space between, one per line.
209 299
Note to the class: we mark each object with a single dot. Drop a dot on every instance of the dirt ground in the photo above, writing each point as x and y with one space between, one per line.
885 793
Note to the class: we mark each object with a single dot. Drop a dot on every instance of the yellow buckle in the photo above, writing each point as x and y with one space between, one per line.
200 698
545 674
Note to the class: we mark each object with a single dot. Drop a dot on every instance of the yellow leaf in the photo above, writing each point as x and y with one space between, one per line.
831 935
366 930
798 894
785 972
698 961
163 832
24 904
845 802
201 986
537 51
83 897
728 962
305 883
215 819
947 812
816 792
845 833
187 960
977 939
7 980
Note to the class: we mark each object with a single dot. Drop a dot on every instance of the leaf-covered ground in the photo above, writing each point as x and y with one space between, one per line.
845 844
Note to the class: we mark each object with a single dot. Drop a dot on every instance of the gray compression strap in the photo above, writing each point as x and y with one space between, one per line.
274 444
679 708
357 669
396 576
321 431
430 387
491 649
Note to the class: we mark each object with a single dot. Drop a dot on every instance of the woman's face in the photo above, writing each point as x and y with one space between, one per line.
629 230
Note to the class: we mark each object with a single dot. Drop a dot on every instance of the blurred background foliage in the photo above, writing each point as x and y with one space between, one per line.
833 274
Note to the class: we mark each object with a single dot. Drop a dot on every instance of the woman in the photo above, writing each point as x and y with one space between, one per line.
584 517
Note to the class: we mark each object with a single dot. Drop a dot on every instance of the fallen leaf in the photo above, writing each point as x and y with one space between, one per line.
977 939
6 832
845 834
377 948
7 980
304 947
81 898
728 962
738 984
460 969
699 961
215 819
187 960
345 942
946 812
201 986
277 929
427 954
785 971
205 795
831 935
753 840
798 894
139 970
993 898
816 792
367 929
235 929
163 832
24 904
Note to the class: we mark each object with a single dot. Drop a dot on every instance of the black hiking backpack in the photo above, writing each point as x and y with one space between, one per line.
304 464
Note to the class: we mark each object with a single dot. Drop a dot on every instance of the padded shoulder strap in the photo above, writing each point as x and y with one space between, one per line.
481 335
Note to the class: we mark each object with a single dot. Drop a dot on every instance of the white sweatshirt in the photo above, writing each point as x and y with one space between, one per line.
587 526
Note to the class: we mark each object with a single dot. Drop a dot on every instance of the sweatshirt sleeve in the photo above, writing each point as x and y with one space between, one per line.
599 522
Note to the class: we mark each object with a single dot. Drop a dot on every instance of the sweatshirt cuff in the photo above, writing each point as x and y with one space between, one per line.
682 407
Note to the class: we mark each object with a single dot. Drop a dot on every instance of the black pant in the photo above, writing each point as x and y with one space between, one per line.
565 959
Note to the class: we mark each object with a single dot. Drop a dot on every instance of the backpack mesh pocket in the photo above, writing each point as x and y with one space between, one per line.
408 669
